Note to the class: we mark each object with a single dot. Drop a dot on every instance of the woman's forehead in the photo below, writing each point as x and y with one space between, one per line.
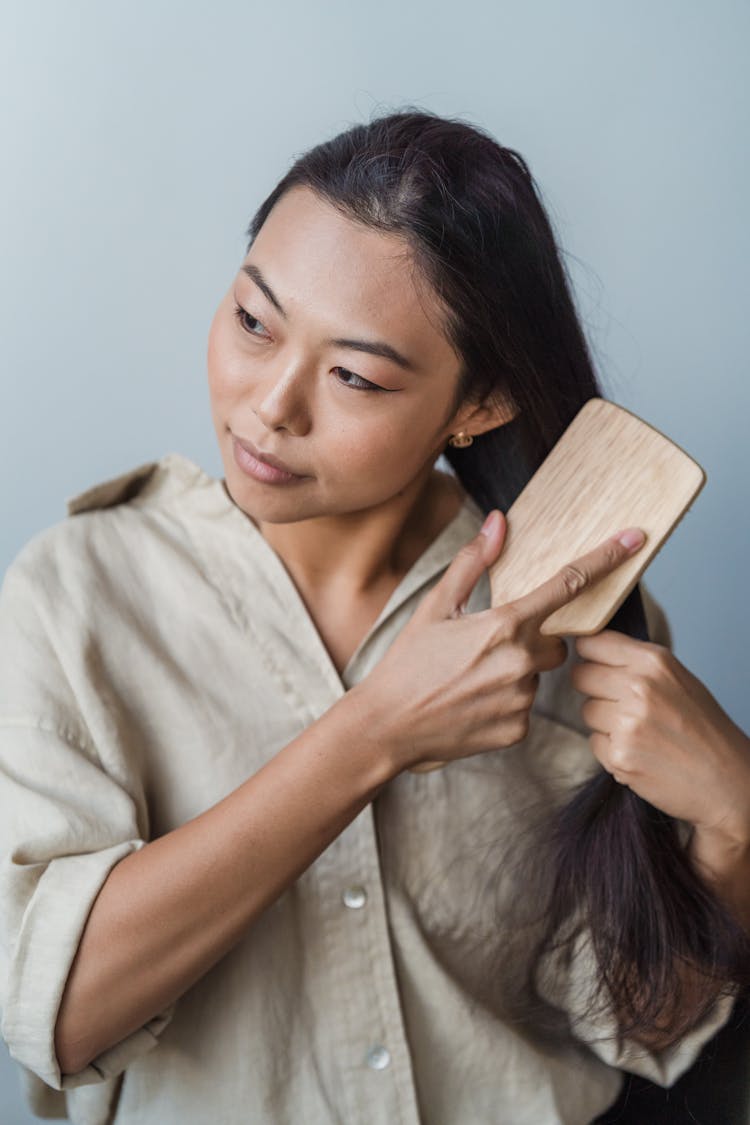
312 262
305 236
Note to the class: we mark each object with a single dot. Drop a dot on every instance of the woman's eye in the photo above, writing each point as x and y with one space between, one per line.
349 379
243 318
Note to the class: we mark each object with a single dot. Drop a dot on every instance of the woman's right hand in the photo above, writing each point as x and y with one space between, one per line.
454 684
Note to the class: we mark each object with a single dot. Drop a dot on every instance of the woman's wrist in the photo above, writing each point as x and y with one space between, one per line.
722 860
372 725
721 841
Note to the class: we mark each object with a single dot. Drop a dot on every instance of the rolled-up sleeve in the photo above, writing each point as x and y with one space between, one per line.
65 822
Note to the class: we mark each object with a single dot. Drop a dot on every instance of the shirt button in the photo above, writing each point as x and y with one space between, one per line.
378 1057
355 897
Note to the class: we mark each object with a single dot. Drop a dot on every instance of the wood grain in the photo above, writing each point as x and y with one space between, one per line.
608 471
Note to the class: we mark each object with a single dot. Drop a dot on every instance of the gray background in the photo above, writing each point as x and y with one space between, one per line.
138 139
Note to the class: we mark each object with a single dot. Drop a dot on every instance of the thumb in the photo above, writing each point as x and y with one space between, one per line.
448 596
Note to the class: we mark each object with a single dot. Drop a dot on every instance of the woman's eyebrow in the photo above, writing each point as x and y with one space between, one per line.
372 347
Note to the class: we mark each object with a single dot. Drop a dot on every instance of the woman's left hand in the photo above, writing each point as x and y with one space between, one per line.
657 729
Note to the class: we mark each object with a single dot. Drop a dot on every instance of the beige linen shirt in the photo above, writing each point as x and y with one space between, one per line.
155 653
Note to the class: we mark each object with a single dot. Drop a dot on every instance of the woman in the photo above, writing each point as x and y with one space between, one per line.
225 891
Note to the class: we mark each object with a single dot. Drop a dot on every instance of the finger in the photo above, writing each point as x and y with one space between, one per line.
600 715
450 594
597 680
609 647
538 653
601 748
577 576
530 682
549 656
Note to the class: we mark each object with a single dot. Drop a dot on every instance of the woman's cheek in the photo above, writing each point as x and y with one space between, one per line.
227 377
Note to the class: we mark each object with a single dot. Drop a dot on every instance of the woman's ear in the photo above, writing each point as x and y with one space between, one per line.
478 418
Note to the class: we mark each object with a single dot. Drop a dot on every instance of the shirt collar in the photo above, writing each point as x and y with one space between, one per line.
226 536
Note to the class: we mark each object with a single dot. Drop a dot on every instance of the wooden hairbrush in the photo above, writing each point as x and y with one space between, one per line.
609 470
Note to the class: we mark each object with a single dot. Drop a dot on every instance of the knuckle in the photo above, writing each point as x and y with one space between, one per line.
620 758
468 552
509 623
643 690
625 722
520 726
497 635
612 554
629 725
657 658
573 579
521 663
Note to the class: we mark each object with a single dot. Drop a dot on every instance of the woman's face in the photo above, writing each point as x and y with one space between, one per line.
355 427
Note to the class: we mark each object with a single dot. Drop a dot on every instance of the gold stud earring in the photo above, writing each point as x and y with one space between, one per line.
460 440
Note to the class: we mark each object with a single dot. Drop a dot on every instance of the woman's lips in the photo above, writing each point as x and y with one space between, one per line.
261 466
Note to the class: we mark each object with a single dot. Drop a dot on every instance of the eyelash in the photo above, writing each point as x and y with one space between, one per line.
242 315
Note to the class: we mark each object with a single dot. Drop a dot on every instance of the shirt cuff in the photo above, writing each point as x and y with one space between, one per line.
40 963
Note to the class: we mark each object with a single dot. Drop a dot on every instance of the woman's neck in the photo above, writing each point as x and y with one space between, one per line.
361 555
346 570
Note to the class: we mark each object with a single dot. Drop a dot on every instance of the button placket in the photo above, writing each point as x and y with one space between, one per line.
359 991
391 1052
377 1057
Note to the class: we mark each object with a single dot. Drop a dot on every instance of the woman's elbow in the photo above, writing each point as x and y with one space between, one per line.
71 1049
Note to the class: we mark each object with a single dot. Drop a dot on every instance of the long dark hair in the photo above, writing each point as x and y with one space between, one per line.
472 215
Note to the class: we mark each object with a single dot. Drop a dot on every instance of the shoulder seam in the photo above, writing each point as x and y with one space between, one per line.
115 490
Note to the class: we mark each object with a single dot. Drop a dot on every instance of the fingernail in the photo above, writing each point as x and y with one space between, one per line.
486 528
632 538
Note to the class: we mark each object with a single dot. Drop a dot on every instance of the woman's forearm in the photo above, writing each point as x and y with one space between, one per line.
169 911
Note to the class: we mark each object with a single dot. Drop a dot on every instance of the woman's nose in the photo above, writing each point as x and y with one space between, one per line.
282 403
